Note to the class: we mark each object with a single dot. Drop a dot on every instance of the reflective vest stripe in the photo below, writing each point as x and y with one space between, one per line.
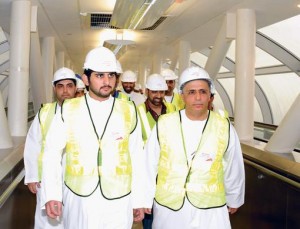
146 129
46 114
148 121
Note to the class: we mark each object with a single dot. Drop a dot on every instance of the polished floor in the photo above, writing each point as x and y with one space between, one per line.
18 210
270 204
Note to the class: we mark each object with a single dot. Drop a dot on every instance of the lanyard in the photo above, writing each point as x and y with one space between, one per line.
95 130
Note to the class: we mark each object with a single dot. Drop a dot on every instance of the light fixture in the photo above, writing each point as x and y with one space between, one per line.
84 14
122 38
138 14
135 14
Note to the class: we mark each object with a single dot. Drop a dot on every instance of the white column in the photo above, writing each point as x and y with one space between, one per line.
220 48
19 67
36 79
184 52
142 74
245 74
48 55
174 59
68 64
156 63
287 134
60 60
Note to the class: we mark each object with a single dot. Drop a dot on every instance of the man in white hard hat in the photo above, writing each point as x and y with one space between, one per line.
171 96
149 112
154 106
101 181
195 165
138 88
117 93
128 81
81 90
64 87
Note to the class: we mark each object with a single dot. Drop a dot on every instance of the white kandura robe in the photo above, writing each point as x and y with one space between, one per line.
93 211
137 98
190 217
32 150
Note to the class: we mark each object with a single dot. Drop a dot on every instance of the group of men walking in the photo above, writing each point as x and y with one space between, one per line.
110 158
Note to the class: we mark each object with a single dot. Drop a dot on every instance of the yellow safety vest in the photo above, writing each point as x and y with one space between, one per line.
178 101
94 158
201 181
122 96
148 121
46 114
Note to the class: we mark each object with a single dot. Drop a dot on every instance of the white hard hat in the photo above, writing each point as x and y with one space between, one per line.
168 74
119 68
138 86
80 84
64 74
156 82
128 76
101 59
195 73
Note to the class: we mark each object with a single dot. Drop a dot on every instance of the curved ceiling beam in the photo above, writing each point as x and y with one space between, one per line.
264 105
225 98
278 51
259 93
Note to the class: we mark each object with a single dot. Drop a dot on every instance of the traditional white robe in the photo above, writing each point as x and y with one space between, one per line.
189 217
93 211
32 150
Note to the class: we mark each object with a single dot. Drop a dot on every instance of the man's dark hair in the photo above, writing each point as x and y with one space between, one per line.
88 72
74 81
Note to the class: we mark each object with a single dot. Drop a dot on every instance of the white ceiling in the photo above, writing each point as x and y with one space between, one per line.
195 21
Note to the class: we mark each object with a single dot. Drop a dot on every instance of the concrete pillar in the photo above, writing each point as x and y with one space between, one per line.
287 135
174 60
156 63
19 67
142 74
60 60
36 79
48 55
220 48
68 64
245 74
184 52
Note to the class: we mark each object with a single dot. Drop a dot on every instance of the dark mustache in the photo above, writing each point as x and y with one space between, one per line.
106 86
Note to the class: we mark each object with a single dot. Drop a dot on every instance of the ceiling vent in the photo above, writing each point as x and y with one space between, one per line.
102 21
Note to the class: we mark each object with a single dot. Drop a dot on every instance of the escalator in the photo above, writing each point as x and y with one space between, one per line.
272 197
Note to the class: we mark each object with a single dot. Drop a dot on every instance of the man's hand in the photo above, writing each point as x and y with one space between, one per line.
232 210
33 187
148 211
53 209
138 214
